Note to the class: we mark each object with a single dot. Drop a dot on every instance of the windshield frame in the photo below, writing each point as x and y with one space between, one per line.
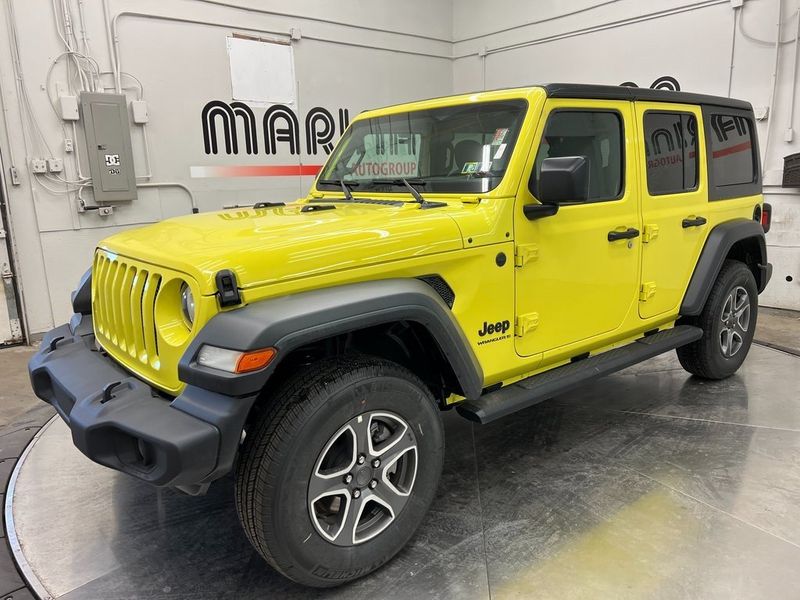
479 184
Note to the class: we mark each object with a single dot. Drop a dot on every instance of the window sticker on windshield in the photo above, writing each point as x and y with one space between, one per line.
470 167
499 136
500 151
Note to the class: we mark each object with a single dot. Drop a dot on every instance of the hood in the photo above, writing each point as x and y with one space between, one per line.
267 245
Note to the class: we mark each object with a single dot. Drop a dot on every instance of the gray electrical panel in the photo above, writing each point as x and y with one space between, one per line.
108 142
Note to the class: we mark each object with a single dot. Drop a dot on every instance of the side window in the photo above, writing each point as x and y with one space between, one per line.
733 159
595 135
670 141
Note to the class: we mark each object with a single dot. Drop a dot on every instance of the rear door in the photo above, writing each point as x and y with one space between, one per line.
674 192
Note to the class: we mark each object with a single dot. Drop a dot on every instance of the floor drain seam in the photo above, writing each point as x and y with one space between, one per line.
699 420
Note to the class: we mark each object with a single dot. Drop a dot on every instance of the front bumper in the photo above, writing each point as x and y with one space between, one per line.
185 442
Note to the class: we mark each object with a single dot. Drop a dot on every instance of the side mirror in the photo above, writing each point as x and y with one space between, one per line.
563 179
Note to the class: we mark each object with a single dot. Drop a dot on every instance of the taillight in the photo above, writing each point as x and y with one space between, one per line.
766 217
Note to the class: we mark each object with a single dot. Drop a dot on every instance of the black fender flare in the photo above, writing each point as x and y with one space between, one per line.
718 244
289 322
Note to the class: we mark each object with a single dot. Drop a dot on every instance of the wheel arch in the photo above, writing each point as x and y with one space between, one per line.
740 239
391 318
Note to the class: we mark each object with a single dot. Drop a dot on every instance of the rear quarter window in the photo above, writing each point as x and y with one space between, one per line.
733 164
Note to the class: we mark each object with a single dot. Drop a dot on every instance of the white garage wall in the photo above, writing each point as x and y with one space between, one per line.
380 52
602 41
353 55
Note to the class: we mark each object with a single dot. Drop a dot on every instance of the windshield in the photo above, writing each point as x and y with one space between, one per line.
463 148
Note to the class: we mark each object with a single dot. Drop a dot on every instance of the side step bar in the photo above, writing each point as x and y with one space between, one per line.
530 391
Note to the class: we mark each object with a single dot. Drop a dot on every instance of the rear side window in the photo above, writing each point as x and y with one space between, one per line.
595 135
732 157
670 141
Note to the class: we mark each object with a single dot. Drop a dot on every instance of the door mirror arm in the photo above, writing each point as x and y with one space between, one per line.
538 211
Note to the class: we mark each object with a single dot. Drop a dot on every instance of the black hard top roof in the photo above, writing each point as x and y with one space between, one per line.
611 92
621 92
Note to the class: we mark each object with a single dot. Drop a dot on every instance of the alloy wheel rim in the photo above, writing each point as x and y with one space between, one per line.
735 320
363 478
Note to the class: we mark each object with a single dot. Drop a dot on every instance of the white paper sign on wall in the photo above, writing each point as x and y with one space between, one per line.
261 72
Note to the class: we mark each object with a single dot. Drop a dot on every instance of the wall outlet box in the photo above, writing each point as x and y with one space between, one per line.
68 108
38 165
68 145
55 165
788 135
737 3
139 111
105 211
761 112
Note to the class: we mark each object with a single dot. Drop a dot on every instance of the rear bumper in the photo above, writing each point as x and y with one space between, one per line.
188 441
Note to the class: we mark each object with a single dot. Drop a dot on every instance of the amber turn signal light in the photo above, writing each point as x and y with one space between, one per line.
254 360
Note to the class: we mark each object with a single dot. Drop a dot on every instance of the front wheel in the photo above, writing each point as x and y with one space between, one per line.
338 472
728 322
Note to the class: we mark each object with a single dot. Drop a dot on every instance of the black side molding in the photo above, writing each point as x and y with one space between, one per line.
289 322
538 388
720 241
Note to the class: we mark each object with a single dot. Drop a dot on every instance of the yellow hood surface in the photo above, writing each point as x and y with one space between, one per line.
267 245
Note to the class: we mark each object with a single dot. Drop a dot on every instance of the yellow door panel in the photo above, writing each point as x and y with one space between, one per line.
675 209
572 283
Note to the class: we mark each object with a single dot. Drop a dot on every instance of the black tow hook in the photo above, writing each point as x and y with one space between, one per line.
54 342
107 395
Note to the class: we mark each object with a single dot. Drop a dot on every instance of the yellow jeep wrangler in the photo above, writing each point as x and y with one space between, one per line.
485 252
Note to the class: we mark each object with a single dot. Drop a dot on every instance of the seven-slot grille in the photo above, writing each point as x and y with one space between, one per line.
123 307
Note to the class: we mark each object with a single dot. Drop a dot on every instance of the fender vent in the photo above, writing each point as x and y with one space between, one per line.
440 286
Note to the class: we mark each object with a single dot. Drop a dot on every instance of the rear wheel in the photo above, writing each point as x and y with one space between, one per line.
339 471
728 322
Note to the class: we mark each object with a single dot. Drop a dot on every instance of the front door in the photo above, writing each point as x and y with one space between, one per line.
574 281
674 205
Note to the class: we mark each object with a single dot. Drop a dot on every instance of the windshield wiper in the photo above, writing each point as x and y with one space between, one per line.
414 192
345 185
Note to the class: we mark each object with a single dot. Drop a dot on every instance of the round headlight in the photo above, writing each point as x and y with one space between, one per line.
187 303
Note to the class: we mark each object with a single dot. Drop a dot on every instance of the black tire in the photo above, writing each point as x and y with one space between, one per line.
709 357
282 459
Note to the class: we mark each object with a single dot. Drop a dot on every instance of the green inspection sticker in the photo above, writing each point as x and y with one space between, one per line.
469 167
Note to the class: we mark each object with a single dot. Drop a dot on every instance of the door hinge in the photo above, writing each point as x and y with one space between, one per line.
647 291
525 253
525 324
650 233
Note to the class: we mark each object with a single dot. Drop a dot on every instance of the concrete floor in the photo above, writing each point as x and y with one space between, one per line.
779 329
16 397
647 484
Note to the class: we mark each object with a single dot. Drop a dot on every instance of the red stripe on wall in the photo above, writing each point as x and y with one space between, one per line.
255 170
732 149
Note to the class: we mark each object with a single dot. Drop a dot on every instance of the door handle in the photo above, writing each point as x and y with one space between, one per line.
628 234
696 222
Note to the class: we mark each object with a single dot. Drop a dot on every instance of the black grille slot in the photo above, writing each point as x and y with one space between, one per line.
440 286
